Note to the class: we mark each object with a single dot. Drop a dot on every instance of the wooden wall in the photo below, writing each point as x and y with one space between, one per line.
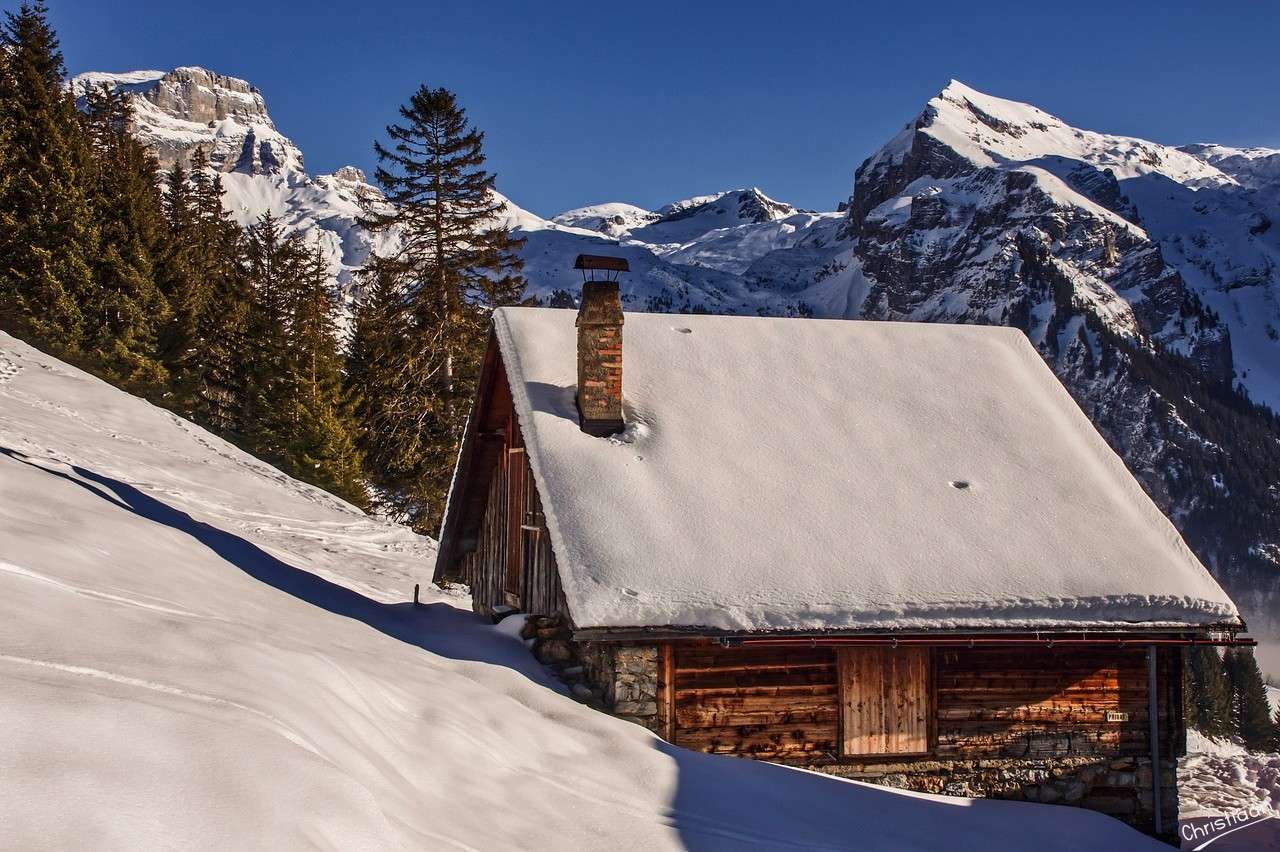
1018 703
763 703
512 563
885 700
784 704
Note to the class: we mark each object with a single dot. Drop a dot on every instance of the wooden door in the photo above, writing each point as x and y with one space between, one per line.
884 700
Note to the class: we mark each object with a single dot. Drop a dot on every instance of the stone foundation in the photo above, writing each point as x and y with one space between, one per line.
1119 787
627 677
620 679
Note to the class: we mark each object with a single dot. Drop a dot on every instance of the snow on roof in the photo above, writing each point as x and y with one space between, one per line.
783 474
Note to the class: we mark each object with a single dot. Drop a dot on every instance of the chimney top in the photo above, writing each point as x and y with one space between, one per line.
601 261
610 267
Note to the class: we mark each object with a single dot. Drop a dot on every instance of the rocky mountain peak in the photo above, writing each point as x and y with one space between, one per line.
199 95
178 111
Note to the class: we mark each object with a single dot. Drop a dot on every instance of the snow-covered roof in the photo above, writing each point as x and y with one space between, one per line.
795 474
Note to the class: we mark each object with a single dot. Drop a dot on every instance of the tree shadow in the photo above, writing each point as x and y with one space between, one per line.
452 632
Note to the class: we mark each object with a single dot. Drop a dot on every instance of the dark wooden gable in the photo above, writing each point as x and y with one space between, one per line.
494 536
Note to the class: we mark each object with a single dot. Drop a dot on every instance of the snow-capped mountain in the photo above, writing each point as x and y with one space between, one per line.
1143 274
179 111
615 219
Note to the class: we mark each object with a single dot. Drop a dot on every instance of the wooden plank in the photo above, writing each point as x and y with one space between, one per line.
757 702
514 518
762 740
667 690
747 679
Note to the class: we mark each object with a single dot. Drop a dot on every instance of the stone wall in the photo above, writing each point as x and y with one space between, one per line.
599 325
619 679
1119 787
627 679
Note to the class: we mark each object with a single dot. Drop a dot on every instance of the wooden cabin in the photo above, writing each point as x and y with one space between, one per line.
893 552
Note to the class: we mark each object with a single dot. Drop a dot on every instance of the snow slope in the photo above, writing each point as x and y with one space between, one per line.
198 652
612 219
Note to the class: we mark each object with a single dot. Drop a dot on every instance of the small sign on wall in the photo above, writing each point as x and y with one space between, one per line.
1117 716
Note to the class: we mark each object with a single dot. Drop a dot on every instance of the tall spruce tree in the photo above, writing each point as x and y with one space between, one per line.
455 263
272 266
209 288
322 442
299 419
50 234
1250 711
126 309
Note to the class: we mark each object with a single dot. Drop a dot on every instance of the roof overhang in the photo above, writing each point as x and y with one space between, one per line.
1111 637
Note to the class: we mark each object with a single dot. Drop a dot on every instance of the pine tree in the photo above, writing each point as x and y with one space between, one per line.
455 263
323 443
182 287
272 265
206 349
390 396
1208 693
298 420
1250 711
49 234
126 308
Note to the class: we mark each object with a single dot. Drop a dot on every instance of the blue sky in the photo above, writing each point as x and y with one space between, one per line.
651 102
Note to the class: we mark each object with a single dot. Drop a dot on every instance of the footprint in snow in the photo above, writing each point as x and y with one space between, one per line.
8 369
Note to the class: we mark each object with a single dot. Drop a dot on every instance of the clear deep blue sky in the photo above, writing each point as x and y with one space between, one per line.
648 102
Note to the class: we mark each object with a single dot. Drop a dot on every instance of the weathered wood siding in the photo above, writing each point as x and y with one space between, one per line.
763 703
483 569
786 704
512 563
1042 703
884 700
540 591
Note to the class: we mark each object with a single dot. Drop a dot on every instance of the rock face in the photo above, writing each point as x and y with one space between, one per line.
195 94
178 111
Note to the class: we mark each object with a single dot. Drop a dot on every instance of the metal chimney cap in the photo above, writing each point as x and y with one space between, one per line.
601 261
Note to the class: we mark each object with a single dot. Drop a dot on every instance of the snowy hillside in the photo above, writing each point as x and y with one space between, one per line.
199 652
1218 777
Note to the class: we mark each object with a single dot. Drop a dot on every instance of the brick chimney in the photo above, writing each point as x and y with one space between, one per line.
600 357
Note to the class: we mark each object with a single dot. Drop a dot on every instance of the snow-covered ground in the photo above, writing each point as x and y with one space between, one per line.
199 652
1218 777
